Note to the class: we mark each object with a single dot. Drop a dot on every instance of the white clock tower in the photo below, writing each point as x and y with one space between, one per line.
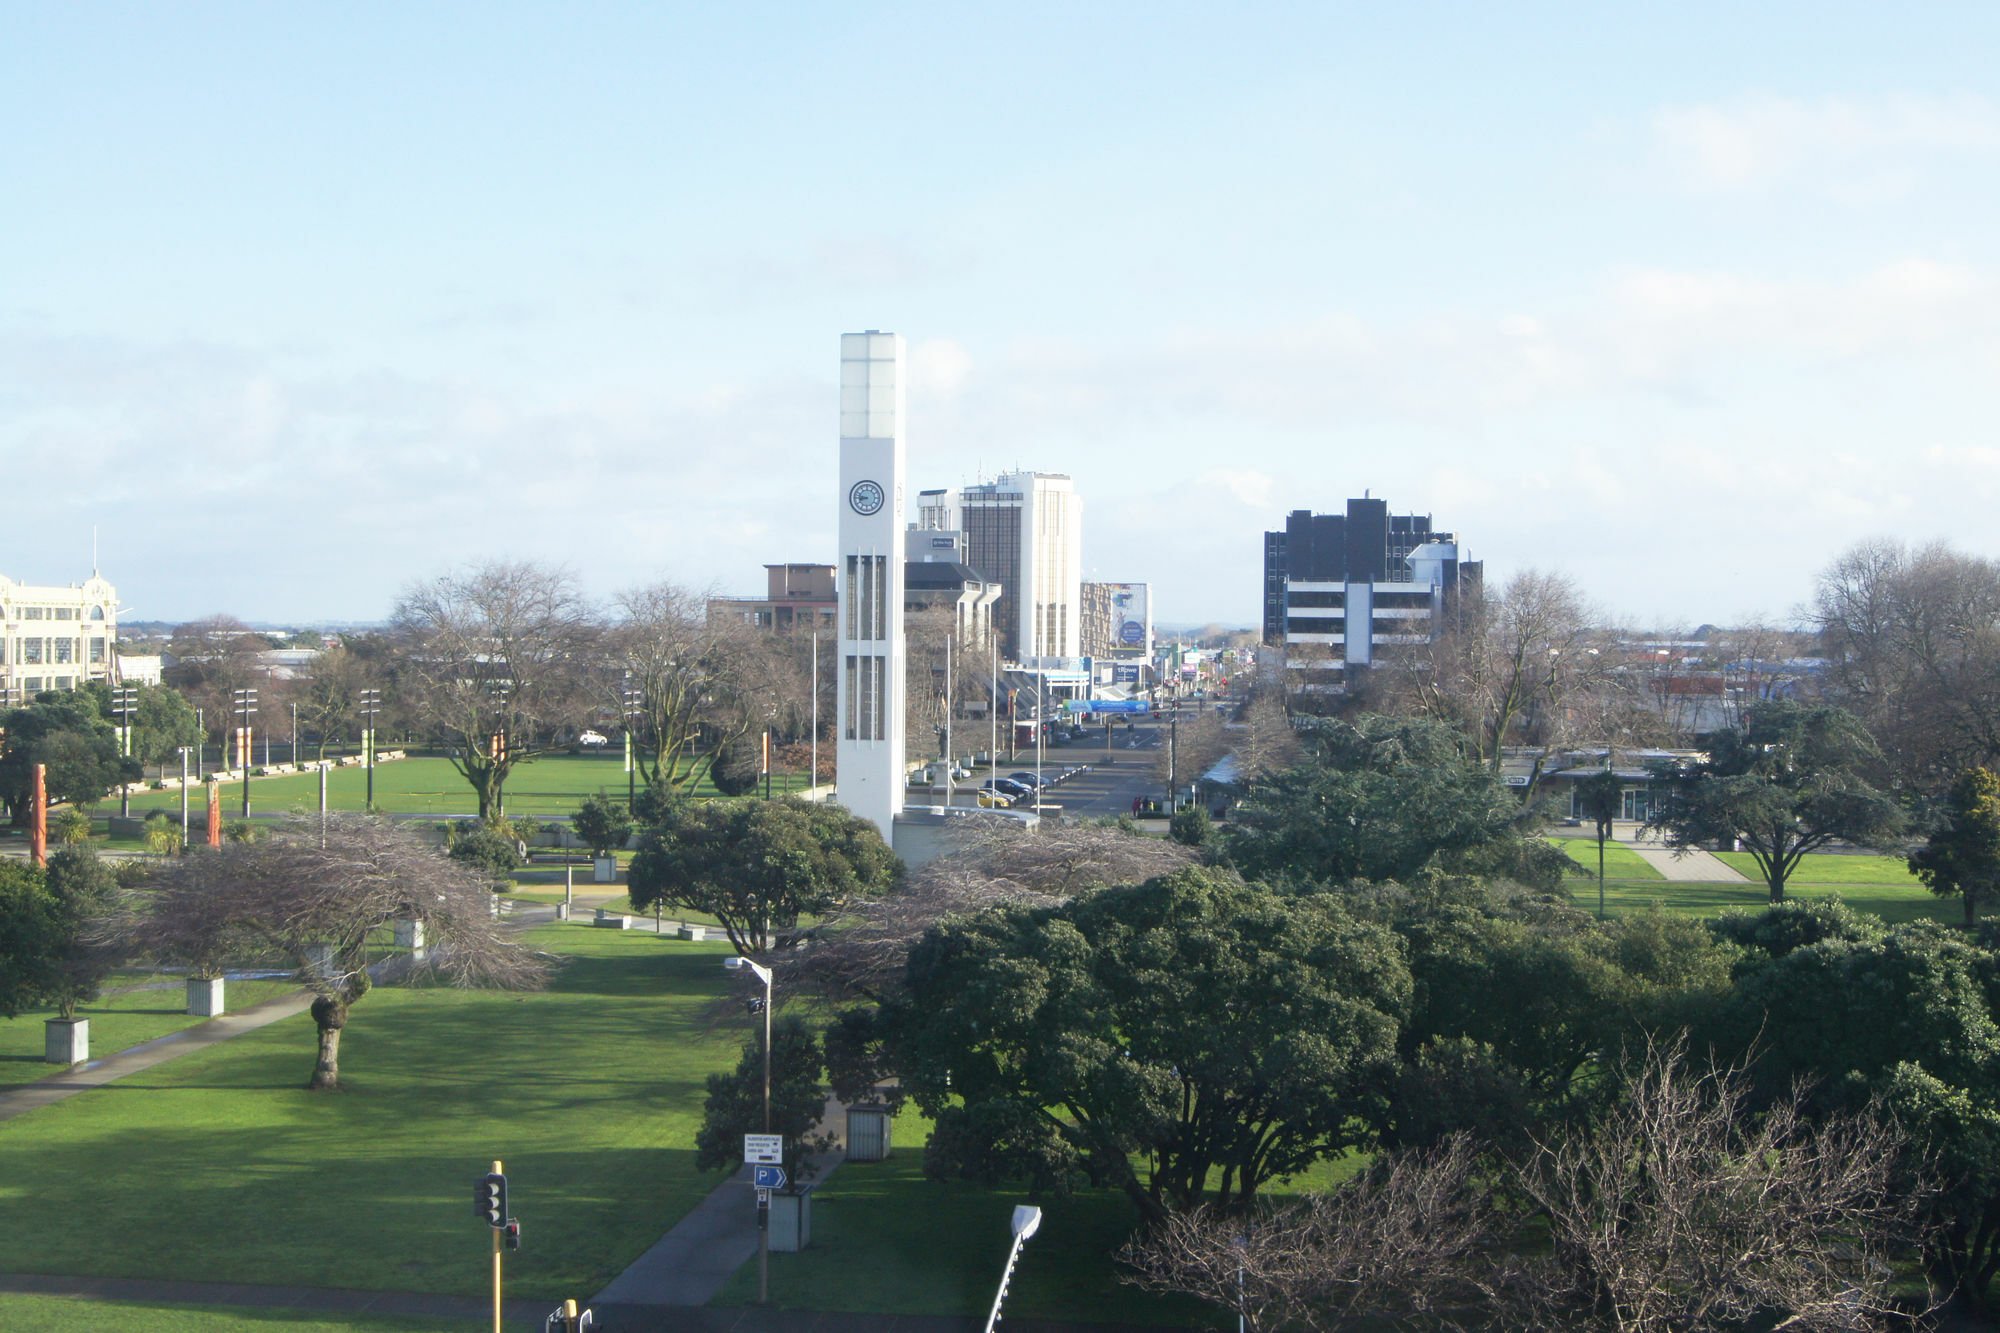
870 737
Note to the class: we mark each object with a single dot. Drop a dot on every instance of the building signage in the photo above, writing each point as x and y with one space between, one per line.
764 1149
770 1177
1132 634
1125 675
1107 706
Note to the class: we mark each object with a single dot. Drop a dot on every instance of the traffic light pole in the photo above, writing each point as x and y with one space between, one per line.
497 1233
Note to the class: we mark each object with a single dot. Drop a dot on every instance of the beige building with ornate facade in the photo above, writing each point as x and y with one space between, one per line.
56 638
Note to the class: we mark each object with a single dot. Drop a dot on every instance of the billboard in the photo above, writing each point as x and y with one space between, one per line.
1131 617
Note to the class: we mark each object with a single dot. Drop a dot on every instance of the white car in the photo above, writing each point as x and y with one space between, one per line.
593 738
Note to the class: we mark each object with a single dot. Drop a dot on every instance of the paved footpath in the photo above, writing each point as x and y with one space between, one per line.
1690 865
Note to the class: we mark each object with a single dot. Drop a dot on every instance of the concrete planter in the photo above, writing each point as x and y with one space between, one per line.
791 1222
562 911
605 869
691 932
66 1042
612 921
205 997
410 935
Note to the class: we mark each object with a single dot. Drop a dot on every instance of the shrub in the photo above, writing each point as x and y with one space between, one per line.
1191 826
69 827
490 846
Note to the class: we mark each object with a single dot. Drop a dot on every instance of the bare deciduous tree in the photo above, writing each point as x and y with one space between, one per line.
861 955
497 661
698 682
314 895
1403 1245
1913 644
1509 669
1684 1210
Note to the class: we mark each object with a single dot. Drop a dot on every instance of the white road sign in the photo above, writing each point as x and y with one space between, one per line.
764 1149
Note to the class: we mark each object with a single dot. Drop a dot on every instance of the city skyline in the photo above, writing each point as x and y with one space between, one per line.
297 308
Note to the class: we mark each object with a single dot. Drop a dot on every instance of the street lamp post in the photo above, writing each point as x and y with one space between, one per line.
125 696
1027 1221
184 796
371 704
246 704
632 715
762 974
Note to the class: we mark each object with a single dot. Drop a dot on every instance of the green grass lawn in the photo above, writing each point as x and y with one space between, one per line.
69 1314
1619 862
1831 868
220 1167
118 1021
554 785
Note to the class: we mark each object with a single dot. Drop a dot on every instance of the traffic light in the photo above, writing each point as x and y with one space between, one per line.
489 1200
513 1234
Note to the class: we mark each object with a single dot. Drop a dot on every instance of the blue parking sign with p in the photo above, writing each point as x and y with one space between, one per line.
770 1178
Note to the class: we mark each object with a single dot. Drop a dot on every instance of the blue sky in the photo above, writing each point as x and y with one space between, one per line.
298 304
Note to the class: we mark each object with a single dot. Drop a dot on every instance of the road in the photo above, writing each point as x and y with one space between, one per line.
1113 779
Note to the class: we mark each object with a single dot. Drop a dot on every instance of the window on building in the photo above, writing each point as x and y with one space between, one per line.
97 651
32 684
31 651
64 683
97 613
31 613
65 613
65 651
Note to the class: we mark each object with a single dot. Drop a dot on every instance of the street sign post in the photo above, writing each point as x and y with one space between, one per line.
764 1149
770 1177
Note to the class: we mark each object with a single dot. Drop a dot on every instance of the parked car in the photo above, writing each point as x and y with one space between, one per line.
593 738
1006 787
1027 780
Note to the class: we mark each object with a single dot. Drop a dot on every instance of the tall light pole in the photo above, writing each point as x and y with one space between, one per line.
633 713
812 778
184 796
371 704
125 696
295 733
246 704
1027 1221
200 740
762 974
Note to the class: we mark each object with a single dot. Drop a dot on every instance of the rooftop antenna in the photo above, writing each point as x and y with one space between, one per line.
93 550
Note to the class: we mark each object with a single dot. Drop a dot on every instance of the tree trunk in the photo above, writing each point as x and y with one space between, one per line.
331 1016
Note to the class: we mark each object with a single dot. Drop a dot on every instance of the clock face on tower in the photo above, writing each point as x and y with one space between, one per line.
866 497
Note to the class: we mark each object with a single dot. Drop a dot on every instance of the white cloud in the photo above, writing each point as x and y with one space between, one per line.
1850 147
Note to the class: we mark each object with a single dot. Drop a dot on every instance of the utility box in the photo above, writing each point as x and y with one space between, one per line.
604 870
791 1221
868 1129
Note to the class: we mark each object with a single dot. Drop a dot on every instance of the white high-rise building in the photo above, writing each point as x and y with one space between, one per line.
1023 531
869 736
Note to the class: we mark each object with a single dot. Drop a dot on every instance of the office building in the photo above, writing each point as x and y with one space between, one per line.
1340 587
870 649
1023 531
56 638
796 597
